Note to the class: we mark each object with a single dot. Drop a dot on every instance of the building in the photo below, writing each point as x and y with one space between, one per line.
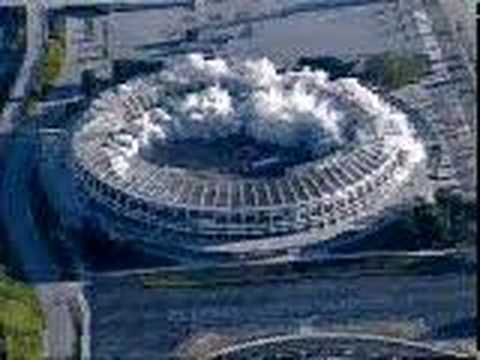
158 200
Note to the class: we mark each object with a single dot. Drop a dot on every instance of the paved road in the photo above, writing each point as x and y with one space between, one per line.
36 34
164 318
280 30
57 301
31 250
16 211
468 256
55 4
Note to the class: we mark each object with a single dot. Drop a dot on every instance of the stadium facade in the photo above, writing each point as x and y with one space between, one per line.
269 203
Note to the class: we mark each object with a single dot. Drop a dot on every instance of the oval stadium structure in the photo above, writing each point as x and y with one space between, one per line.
332 345
232 157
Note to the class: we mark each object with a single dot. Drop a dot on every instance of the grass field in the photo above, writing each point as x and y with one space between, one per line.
21 321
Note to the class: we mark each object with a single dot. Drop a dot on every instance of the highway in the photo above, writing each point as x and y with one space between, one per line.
164 318
32 252
287 260
16 212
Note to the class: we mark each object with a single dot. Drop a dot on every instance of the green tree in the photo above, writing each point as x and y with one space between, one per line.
393 71
449 221
21 321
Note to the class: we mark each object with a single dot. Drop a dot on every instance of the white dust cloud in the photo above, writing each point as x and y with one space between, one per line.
219 98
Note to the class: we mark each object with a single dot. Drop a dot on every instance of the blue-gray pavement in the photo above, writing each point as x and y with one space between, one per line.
280 31
12 112
131 322
31 250
57 4
15 210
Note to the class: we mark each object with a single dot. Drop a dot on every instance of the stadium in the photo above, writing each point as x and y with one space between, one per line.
331 345
233 157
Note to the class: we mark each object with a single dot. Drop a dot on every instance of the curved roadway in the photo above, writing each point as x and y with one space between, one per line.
30 250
